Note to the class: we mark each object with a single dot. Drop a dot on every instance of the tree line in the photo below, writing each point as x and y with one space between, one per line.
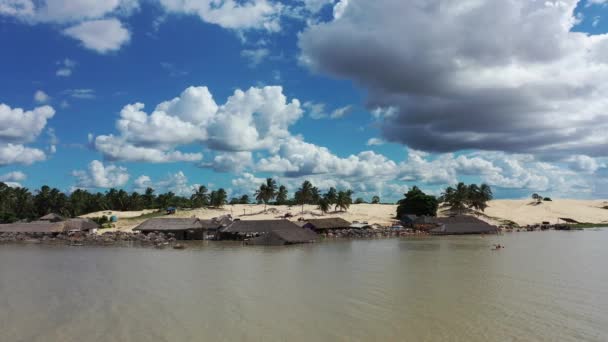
457 200
20 203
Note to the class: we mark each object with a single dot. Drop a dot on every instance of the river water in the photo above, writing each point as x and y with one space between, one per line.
544 286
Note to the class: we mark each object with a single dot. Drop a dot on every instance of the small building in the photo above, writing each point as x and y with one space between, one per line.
267 232
284 237
52 217
327 224
408 220
462 225
171 210
181 228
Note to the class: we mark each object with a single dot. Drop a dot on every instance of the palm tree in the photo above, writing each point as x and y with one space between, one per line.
456 198
375 199
323 205
344 200
538 198
304 194
200 197
266 192
149 198
244 199
282 195
260 195
331 195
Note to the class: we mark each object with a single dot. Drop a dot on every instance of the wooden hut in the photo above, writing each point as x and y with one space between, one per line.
327 224
181 228
462 225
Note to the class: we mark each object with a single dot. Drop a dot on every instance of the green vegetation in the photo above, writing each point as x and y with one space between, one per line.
466 197
266 192
375 199
359 200
547 199
417 203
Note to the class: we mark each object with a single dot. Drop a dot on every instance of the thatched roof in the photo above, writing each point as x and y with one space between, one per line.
285 237
462 224
259 226
51 217
328 223
171 224
33 227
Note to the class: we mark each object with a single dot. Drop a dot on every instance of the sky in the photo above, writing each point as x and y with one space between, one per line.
373 96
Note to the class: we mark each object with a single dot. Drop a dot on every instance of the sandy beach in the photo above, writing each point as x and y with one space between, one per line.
522 212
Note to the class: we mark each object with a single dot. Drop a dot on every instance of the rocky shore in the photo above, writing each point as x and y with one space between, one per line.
161 240
80 239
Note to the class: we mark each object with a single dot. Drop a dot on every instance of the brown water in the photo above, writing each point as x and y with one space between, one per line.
545 286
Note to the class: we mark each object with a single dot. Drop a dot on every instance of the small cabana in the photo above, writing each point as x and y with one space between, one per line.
244 230
327 224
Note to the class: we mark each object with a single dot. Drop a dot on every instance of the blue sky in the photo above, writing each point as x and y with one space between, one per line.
337 92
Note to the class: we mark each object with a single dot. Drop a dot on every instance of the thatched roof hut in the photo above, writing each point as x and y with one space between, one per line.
52 217
461 225
285 237
181 228
41 227
259 226
47 227
323 224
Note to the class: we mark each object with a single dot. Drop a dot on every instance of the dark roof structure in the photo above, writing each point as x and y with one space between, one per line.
47 227
259 226
285 237
328 223
462 224
52 217
43 227
174 224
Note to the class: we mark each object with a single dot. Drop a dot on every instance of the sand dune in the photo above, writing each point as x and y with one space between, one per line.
520 211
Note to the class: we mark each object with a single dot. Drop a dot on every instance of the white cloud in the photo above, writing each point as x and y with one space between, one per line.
102 35
101 176
174 182
340 112
20 126
584 163
230 14
114 148
84 94
340 8
375 142
41 97
255 56
14 176
66 67
249 120
316 111
19 154
230 162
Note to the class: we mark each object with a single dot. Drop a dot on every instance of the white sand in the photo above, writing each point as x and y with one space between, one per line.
520 211
526 212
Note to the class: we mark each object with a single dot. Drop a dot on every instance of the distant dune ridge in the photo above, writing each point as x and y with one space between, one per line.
522 212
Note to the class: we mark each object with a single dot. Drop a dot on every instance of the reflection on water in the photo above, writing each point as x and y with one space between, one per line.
544 286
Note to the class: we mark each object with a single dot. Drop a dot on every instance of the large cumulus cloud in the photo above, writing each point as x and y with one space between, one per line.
473 74
249 120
